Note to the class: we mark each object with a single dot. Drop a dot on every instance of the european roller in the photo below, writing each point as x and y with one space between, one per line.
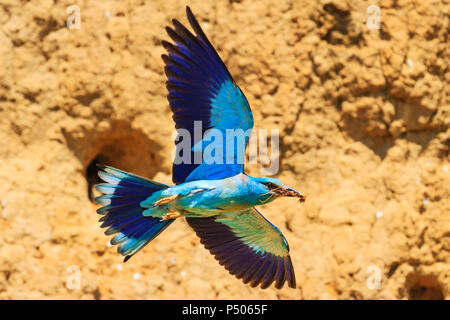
217 198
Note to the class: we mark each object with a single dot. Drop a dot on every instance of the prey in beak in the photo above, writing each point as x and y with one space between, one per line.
278 189
286 191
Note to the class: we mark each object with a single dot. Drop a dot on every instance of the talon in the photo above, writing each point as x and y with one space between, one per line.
165 200
171 215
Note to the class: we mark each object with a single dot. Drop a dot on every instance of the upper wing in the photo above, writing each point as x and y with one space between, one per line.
248 246
201 89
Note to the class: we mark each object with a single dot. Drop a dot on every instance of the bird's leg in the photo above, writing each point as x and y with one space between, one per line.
166 200
171 215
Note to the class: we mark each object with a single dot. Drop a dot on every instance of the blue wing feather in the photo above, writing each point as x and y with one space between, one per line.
201 89
246 263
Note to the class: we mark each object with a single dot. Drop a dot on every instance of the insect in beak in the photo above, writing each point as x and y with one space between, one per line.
286 192
290 192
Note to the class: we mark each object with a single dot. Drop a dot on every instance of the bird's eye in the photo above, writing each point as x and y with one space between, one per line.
270 185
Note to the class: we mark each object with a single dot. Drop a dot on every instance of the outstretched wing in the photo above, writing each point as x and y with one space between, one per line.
202 93
248 246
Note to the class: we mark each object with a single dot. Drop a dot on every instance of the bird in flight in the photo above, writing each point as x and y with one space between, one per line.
216 197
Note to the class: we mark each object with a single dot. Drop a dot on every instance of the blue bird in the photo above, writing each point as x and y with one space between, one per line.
217 198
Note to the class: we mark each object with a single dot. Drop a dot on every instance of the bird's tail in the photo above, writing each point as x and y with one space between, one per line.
122 214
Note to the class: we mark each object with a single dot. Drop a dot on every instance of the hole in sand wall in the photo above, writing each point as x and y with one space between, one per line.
120 146
423 287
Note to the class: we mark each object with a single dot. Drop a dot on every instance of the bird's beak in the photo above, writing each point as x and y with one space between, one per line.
290 192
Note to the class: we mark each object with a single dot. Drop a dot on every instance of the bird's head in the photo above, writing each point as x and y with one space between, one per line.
274 188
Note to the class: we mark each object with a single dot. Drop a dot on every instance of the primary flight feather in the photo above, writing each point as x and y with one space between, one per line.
215 195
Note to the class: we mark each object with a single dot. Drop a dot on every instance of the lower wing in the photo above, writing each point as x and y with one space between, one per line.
248 246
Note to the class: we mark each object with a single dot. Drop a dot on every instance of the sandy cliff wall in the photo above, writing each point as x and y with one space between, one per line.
363 114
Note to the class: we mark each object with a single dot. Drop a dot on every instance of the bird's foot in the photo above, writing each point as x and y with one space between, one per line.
165 200
171 215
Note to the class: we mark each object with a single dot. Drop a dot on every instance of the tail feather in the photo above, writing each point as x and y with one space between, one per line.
122 214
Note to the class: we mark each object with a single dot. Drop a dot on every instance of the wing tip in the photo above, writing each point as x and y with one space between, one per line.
189 12
290 274
194 23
